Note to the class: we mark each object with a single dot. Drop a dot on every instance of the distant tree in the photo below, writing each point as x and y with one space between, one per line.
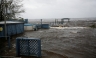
21 19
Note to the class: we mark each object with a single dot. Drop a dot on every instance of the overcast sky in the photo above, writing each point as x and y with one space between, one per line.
39 9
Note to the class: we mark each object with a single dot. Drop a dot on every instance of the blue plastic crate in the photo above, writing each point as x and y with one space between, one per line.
28 46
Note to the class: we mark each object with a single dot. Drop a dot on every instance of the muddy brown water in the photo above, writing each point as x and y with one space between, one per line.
72 42
65 42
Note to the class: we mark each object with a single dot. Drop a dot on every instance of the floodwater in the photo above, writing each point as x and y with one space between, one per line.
62 42
66 42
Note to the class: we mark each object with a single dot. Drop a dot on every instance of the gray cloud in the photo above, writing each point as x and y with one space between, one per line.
36 9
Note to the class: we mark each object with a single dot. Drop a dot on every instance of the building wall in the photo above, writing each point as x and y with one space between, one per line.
12 29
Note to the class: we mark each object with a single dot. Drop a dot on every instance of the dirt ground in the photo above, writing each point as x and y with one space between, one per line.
62 42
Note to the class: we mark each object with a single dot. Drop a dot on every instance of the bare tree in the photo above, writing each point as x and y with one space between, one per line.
10 8
16 7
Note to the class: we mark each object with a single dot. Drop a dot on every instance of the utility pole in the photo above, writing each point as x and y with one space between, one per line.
41 23
5 16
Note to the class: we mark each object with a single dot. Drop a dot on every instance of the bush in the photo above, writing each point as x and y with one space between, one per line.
93 26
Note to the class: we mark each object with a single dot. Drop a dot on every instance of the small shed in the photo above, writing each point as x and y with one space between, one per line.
12 28
29 27
45 26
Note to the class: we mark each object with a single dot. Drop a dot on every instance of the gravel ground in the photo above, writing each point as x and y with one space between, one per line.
64 42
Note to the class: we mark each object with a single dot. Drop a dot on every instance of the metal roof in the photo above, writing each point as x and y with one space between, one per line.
28 24
10 22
